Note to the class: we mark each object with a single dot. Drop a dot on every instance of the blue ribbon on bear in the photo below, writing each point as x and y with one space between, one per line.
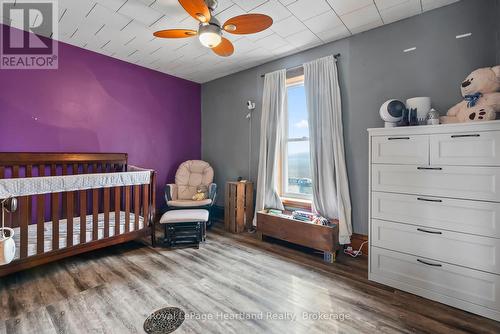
472 99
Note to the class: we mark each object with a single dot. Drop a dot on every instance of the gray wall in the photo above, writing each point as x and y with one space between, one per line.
372 69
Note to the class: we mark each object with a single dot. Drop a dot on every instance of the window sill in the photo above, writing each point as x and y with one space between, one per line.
296 203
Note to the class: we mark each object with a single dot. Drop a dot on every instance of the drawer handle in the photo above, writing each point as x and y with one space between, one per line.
398 138
430 200
463 136
430 168
427 231
430 264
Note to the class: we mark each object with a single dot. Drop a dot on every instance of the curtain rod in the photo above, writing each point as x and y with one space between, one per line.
337 56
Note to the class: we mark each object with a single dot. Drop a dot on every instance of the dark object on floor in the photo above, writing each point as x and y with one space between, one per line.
185 234
164 321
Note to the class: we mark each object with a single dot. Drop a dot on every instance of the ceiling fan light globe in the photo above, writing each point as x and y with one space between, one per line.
209 36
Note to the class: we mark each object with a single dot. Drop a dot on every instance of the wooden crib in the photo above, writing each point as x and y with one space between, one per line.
51 226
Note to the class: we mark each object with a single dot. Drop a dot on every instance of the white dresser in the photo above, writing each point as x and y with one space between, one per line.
434 217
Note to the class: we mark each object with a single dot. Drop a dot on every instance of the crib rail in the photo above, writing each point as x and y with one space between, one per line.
90 218
24 164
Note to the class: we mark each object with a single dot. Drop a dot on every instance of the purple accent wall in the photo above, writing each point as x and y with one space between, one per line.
94 103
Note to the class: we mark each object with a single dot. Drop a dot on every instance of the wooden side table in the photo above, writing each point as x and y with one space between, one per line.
238 208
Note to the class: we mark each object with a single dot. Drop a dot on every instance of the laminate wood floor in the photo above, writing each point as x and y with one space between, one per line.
232 284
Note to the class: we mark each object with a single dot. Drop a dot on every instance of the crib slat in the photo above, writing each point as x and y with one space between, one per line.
137 198
117 210
127 209
64 194
23 235
75 172
29 173
106 212
2 172
53 170
40 220
83 216
16 216
95 214
69 216
54 201
94 168
145 204
85 168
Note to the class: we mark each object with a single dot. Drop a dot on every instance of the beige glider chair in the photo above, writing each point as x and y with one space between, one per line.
191 176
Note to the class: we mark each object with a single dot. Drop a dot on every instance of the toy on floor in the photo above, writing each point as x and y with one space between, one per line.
481 92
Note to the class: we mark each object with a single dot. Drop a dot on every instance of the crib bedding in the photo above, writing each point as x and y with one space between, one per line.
27 186
32 231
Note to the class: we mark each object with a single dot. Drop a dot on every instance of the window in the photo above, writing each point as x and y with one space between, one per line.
295 160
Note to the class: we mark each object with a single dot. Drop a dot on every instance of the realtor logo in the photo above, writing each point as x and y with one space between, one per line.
28 34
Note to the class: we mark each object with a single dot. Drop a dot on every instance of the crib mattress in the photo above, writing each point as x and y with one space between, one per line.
32 231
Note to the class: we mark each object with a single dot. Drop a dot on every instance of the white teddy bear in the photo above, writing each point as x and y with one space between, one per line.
481 92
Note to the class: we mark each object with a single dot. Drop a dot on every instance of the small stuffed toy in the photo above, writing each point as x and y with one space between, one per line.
201 193
481 92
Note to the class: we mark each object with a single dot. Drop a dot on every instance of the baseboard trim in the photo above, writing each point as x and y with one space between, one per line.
357 240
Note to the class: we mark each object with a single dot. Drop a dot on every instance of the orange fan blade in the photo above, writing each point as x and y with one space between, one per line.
225 48
197 9
175 33
248 24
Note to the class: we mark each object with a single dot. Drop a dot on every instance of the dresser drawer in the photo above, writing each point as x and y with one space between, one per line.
466 149
442 281
475 183
401 150
474 217
466 250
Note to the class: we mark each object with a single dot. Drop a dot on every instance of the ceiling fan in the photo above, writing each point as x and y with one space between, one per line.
210 30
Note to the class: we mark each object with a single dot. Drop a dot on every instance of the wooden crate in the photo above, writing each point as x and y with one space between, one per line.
323 238
238 209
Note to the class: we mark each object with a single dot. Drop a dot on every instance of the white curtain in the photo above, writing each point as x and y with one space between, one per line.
271 132
331 197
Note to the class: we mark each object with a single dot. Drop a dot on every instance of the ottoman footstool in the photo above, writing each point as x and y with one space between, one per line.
184 227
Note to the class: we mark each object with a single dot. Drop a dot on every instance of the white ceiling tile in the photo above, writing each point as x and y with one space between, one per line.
305 9
230 12
288 26
303 38
100 15
334 34
274 9
323 22
244 44
343 7
222 5
81 7
433 4
111 4
394 10
358 20
287 2
96 25
248 5
140 12
367 26
271 42
168 23
284 50
259 35
172 10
